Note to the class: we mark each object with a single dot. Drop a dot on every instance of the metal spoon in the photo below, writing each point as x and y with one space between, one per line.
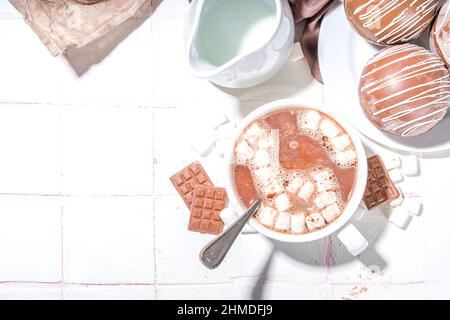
214 252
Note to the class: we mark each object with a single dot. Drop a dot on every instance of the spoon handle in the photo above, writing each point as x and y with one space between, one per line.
214 252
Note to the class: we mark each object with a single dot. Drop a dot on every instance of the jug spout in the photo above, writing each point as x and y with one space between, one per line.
236 43
197 64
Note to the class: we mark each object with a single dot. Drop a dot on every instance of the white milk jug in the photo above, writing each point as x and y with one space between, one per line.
238 43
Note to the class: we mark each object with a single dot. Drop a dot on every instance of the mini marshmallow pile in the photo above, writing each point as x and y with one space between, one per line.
258 149
403 207
216 135
338 143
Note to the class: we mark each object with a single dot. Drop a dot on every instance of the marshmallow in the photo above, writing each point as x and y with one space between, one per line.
265 143
283 221
265 176
353 240
215 119
314 221
253 133
360 211
282 202
412 206
310 120
228 216
341 143
306 191
346 158
244 152
266 216
294 185
396 175
222 146
298 223
397 202
324 180
325 199
272 189
391 160
261 159
226 131
331 212
400 217
204 141
410 165
329 128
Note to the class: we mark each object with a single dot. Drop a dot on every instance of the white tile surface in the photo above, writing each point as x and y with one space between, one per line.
30 239
173 239
228 291
108 240
107 150
30 291
99 148
30 141
108 292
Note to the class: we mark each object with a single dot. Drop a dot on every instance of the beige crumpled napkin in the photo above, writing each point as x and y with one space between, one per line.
66 23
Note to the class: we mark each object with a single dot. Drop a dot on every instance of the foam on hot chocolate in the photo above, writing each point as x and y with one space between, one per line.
302 166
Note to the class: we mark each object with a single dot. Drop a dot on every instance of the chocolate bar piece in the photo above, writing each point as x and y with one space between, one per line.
186 180
207 204
380 188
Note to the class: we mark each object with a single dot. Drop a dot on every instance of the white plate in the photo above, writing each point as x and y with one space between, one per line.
342 57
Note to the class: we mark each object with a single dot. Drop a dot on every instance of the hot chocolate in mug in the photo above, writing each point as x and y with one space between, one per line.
335 224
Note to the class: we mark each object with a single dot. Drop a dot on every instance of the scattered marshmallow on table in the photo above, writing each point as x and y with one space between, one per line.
391 160
215 119
396 175
410 165
226 131
397 202
413 206
204 141
400 217
298 223
351 237
283 221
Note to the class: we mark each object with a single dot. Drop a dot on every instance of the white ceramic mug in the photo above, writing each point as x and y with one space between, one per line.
346 232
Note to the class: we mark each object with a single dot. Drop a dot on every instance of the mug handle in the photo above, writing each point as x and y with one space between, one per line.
352 239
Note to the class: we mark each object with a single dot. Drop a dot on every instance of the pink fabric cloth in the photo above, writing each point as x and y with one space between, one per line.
312 12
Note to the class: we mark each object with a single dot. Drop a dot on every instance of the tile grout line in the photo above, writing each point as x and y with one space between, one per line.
61 186
155 265
155 273
83 105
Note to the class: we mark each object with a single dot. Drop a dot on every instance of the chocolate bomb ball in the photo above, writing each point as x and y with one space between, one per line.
440 34
386 22
405 90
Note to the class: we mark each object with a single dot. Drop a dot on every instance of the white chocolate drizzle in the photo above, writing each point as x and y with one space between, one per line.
431 95
405 26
